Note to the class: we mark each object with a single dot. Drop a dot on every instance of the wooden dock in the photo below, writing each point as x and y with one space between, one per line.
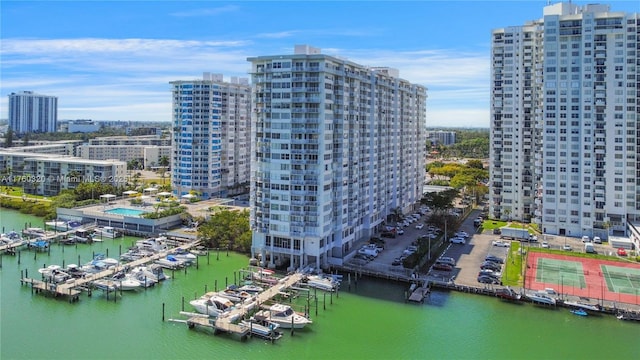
227 321
69 288
9 248
420 293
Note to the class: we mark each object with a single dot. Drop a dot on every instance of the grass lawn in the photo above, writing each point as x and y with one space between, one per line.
512 275
492 224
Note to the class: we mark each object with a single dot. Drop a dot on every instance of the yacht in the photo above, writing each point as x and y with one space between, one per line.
284 316
106 232
10 238
126 282
185 256
82 236
152 244
211 304
541 297
264 329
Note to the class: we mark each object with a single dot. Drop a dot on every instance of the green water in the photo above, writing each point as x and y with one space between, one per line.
370 321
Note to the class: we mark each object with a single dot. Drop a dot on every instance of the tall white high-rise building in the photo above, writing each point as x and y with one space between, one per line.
565 106
31 112
211 136
338 146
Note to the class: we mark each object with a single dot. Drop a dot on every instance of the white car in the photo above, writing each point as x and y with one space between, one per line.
419 226
545 245
399 231
500 243
586 239
462 234
457 240
597 240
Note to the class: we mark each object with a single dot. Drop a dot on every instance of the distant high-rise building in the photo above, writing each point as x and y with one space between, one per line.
442 137
31 112
565 107
338 147
211 136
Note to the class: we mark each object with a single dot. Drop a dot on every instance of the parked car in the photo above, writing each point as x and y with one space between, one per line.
567 247
487 272
586 239
399 231
500 243
597 240
488 265
457 240
397 261
446 260
494 259
419 226
388 234
488 280
545 245
622 252
496 231
462 234
443 267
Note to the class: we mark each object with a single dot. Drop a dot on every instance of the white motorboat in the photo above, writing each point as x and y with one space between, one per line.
106 232
106 284
541 297
99 263
54 273
264 276
170 262
126 282
264 329
58 225
152 244
82 236
584 306
144 276
185 256
284 316
250 288
321 282
10 237
211 304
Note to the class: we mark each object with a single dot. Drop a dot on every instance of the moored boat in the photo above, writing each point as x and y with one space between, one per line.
58 225
578 312
264 329
211 304
583 306
106 232
284 316
628 316
508 294
541 297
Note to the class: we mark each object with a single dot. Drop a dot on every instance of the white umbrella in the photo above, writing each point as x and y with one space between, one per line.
129 192
164 193
188 196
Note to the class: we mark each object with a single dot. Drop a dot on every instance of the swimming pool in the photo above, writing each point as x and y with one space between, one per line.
125 211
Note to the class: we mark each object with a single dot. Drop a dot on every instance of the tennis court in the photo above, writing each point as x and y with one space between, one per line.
622 280
553 271
585 277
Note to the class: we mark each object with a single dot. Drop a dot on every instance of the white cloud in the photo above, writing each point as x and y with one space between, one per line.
129 79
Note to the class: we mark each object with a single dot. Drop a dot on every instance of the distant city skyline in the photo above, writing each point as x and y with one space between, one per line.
113 60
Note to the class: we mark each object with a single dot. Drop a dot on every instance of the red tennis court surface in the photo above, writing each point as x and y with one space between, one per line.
584 277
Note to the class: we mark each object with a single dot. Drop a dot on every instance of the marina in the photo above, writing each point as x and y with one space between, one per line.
448 308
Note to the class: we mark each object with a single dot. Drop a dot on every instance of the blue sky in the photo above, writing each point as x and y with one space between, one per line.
113 60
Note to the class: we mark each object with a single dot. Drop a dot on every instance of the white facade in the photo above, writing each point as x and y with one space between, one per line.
211 136
31 112
564 124
337 147
44 174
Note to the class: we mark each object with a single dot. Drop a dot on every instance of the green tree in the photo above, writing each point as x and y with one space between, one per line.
440 201
227 230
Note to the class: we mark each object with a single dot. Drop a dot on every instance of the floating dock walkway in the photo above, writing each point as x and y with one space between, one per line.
70 289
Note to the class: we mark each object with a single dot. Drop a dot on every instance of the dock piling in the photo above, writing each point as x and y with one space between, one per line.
162 312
